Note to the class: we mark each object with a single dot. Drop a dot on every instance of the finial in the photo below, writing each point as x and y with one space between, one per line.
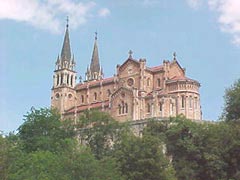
80 79
67 21
174 56
96 35
130 53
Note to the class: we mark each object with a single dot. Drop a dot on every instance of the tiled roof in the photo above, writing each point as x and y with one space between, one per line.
92 83
155 68
85 107
181 78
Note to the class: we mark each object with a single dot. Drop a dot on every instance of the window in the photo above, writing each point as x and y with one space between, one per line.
109 92
195 102
160 106
148 108
123 107
61 78
57 79
57 95
82 97
70 96
158 82
148 82
119 109
67 79
183 102
71 80
190 102
95 96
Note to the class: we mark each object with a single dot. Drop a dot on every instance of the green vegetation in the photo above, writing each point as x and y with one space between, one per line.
97 147
231 110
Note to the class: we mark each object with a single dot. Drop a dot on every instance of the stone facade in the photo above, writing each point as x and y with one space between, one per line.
136 91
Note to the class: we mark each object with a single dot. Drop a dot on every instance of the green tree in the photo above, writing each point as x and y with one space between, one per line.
231 111
43 130
99 130
143 158
196 149
4 147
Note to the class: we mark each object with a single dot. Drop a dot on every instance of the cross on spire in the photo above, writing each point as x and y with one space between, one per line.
67 21
174 56
96 35
130 53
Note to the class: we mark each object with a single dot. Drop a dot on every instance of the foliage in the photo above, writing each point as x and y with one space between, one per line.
231 110
143 158
98 131
47 147
44 130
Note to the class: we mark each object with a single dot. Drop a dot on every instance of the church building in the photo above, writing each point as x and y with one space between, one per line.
135 92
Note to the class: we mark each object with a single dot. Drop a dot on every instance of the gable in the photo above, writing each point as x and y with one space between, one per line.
130 66
176 70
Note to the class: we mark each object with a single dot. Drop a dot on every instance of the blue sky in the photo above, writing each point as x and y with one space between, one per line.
204 33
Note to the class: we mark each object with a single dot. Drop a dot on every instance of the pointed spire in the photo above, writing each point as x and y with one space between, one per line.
95 66
66 50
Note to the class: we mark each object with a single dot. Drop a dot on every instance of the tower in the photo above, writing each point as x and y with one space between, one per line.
64 78
95 72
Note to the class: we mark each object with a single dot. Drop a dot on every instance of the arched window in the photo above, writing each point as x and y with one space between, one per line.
158 82
126 108
67 79
61 78
71 80
160 107
95 96
148 108
57 79
123 108
82 97
109 92
195 102
190 102
183 102
119 109
148 82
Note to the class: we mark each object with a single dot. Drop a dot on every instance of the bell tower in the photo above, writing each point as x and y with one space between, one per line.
64 78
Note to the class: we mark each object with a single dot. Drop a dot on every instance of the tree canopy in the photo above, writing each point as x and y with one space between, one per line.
231 111
97 147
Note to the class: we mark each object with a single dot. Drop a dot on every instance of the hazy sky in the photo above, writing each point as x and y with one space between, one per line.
204 33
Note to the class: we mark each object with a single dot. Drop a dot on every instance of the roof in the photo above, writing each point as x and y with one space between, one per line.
95 66
86 107
181 78
66 50
95 83
155 68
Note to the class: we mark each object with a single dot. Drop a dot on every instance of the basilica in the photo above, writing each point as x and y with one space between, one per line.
134 92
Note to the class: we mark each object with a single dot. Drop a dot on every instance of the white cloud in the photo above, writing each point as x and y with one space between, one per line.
103 12
194 3
228 15
48 14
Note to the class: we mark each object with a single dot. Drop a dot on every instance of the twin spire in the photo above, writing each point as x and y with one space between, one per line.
66 49
95 72
66 60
